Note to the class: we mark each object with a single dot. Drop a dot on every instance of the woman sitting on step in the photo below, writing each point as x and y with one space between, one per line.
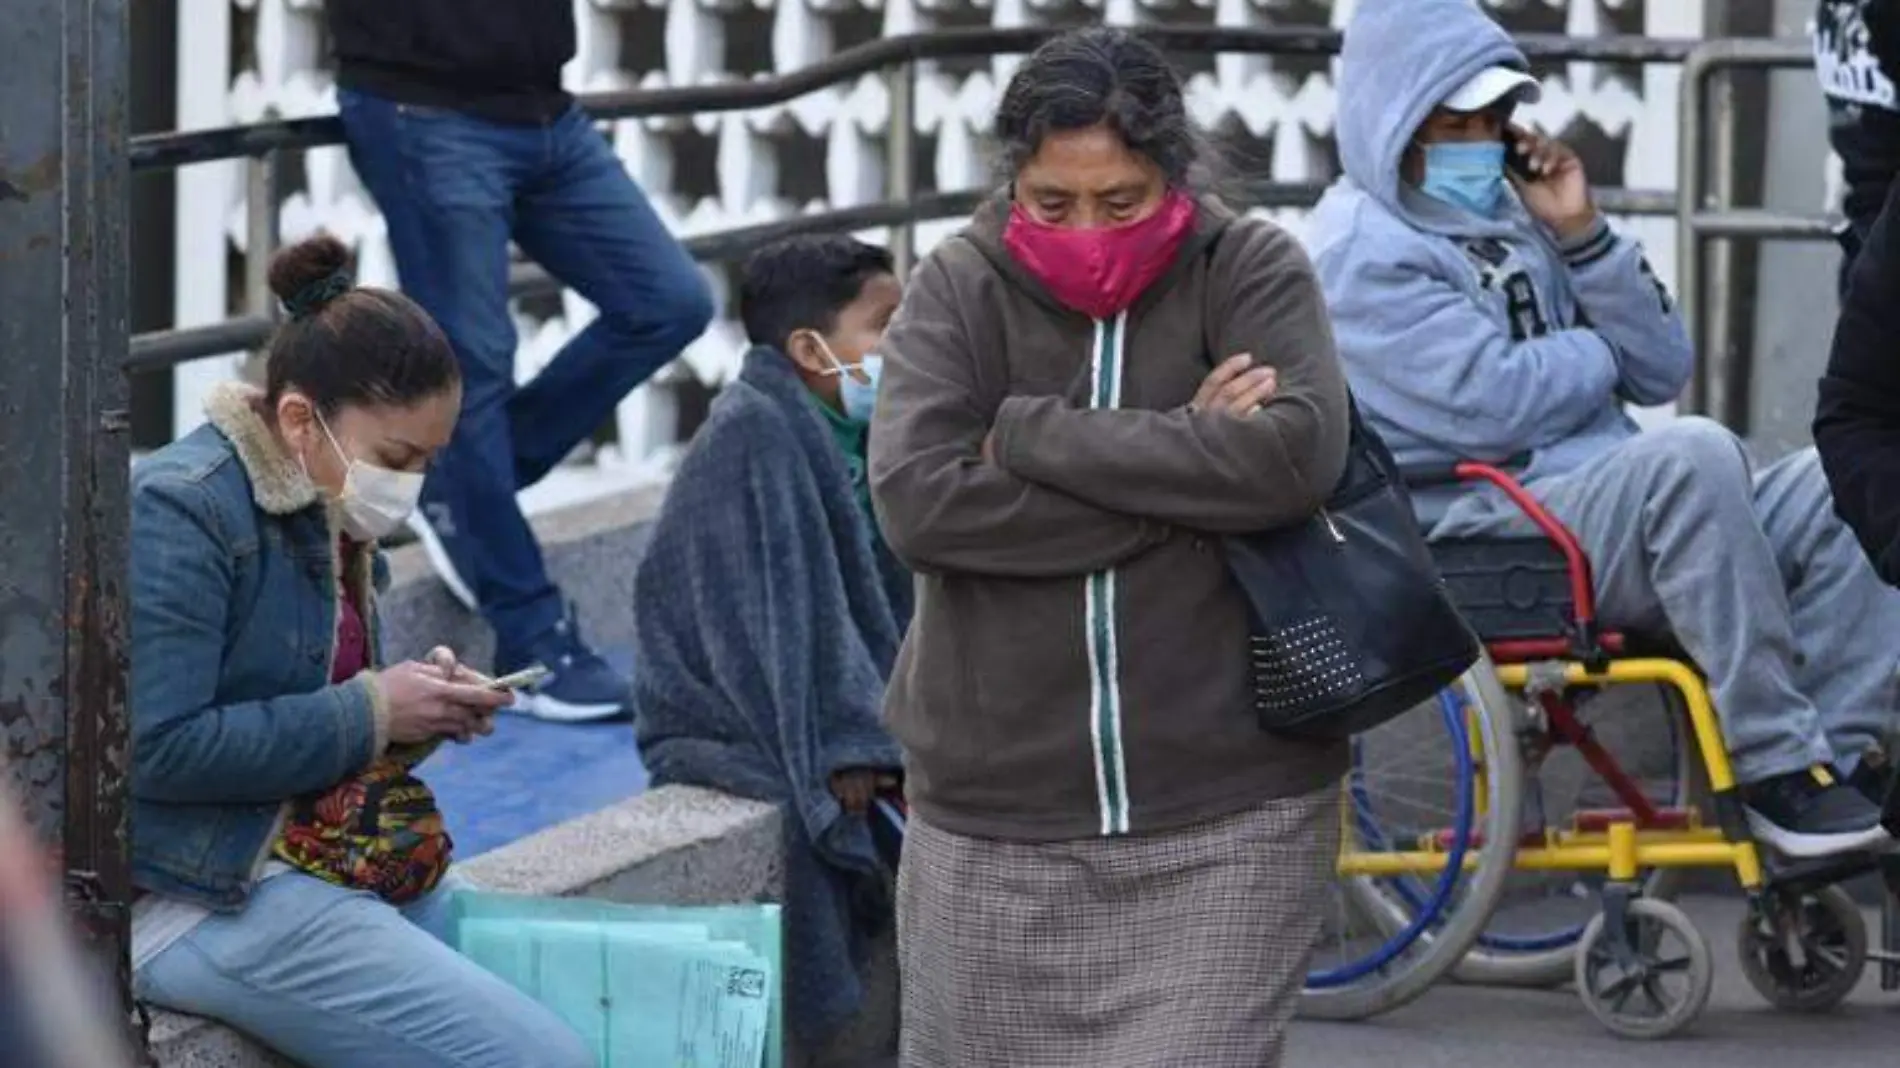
290 865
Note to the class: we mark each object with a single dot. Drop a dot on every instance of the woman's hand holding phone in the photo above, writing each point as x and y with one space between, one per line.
438 699
1550 180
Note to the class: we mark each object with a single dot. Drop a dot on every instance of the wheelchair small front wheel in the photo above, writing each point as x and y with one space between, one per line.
1804 952
1649 980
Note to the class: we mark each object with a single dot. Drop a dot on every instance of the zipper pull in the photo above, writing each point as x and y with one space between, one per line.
1338 538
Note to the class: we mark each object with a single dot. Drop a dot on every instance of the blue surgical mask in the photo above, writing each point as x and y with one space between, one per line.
861 397
1468 174
858 398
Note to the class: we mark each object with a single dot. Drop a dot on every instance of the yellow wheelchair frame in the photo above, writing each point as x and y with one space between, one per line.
1797 905
1623 849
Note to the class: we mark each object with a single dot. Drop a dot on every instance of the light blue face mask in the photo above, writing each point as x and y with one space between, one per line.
1468 174
861 397
858 398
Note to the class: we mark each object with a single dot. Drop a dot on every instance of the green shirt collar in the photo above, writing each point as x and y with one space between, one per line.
852 437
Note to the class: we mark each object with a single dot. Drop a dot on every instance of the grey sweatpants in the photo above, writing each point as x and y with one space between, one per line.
1750 571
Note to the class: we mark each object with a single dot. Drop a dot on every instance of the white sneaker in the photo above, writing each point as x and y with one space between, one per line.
438 555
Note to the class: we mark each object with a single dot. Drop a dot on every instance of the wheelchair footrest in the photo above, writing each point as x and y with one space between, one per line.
1598 820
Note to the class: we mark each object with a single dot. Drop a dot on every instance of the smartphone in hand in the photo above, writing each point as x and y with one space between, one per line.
520 680
1516 161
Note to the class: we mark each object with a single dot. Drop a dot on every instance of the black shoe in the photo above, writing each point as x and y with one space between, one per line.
1811 814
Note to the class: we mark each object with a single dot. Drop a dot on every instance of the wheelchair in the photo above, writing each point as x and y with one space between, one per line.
1533 827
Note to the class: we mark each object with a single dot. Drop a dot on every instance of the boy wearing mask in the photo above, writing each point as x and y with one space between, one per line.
769 610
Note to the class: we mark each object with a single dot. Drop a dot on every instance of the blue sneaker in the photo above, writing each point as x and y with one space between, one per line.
581 687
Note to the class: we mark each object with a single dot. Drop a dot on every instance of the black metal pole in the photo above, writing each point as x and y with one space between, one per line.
63 449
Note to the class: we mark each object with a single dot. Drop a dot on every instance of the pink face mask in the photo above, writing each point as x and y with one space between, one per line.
1101 270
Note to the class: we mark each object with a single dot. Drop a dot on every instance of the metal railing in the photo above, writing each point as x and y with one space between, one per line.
1708 222
896 58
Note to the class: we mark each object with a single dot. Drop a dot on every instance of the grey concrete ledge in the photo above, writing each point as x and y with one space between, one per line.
673 845
634 853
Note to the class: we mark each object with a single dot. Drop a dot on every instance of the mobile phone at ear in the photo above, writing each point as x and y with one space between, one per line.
520 680
1518 163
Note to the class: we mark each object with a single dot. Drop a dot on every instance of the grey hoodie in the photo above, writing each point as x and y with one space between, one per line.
1077 664
1468 337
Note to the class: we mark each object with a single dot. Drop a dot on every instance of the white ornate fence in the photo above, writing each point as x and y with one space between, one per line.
242 60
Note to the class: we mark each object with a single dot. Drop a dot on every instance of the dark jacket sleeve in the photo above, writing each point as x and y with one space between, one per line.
942 507
1857 421
1209 470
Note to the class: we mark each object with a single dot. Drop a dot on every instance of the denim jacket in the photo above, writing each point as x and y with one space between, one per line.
234 578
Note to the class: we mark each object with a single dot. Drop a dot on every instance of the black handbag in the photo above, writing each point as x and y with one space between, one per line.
1351 621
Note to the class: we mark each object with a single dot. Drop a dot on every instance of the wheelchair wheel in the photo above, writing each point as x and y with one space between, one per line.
1650 980
1806 952
1533 935
1448 783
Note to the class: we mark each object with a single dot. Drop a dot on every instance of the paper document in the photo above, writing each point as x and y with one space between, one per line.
642 994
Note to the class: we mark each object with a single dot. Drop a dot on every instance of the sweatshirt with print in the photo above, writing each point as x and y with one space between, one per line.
1467 337
1077 664
1857 59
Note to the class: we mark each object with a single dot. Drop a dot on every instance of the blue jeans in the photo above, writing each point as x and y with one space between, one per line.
454 190
335 978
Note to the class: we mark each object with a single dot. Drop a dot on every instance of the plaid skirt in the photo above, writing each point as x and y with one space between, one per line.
1187 947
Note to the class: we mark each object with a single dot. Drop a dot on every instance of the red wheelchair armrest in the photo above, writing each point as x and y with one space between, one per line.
1582 588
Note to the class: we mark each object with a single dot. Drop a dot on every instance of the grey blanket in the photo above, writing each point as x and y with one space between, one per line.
768 614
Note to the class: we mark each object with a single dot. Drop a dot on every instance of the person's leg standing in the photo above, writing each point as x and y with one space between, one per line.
335 978
584 219
1845 618
448 186
1669 523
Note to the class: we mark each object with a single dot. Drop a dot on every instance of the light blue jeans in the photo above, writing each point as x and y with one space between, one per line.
334 978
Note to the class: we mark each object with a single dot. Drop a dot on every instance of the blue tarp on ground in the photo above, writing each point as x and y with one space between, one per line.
530 775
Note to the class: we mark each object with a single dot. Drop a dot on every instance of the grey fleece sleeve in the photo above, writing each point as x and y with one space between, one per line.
1629 307
941 506
1208 470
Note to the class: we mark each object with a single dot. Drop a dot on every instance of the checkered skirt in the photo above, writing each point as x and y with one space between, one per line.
1182 948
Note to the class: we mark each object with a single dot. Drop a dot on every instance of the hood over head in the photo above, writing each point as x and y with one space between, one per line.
1401 59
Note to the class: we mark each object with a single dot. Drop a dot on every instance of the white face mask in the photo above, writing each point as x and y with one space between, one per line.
375 500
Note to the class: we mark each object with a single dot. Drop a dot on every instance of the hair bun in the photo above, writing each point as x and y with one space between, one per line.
312 273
